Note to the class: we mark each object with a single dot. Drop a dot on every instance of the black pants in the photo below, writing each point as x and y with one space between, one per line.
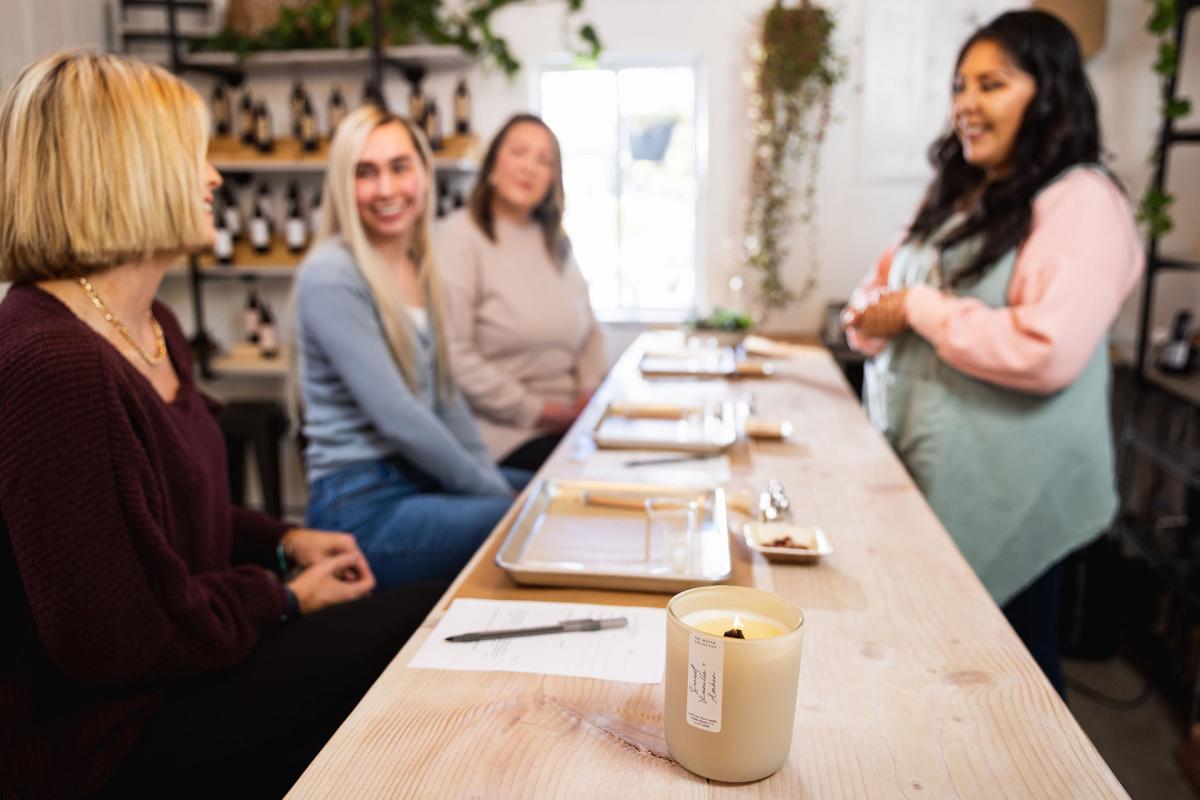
251 731
1034 616
533 453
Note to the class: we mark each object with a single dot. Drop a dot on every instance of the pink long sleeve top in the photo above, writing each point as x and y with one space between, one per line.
1073 272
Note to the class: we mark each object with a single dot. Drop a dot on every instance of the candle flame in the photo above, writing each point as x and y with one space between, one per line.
737 624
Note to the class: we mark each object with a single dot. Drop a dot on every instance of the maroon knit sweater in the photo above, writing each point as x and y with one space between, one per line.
117 574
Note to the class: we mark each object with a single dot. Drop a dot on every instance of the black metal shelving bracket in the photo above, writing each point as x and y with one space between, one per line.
1167 136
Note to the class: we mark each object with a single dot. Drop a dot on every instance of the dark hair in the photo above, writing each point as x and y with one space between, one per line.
548 213
1058 130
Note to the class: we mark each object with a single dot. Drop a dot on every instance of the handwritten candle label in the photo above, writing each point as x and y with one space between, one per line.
705 682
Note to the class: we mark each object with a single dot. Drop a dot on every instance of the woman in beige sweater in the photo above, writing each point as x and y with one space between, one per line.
525 346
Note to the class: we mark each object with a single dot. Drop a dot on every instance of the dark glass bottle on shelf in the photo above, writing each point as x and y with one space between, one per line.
295 230
417 106
260 230
309 141
445 203
263 200
433 125
264 136
462 108
314 213
373 93
246 121
296 105
268 336
337 109
1177 354
231 212
222 112
223 242
252 316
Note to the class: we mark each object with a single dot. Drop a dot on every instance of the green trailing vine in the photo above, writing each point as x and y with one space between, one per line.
1155 208
790 110
336 23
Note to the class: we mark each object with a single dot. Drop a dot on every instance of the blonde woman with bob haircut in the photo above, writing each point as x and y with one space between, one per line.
393 455
154 647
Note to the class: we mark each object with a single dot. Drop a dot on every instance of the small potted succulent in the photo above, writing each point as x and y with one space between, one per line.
727 326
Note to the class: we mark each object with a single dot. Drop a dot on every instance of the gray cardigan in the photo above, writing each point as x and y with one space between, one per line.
357 406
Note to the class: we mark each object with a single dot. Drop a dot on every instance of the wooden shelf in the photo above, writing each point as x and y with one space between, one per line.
429 57
244 361
1186 387
229 155
279 260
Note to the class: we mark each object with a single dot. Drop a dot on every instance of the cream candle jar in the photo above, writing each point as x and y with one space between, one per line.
731 702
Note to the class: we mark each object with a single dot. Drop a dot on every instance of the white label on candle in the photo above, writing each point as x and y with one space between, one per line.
705 682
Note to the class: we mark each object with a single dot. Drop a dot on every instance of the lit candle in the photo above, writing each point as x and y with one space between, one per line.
718 622
731 701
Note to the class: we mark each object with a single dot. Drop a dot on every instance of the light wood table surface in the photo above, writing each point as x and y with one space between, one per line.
912 683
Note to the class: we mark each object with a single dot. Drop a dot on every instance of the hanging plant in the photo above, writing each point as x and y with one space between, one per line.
348 23
790 110
1155 208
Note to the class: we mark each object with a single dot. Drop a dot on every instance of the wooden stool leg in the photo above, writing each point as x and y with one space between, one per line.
266 453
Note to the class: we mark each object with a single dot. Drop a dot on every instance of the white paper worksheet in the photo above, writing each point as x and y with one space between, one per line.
633 654
611 465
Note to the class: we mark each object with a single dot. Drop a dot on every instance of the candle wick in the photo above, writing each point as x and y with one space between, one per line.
735 633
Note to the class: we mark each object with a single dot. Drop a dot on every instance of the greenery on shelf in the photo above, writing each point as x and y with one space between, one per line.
347 23
790 109
1155 207
722 319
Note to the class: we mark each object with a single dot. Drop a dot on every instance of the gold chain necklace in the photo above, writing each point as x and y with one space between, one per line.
160 341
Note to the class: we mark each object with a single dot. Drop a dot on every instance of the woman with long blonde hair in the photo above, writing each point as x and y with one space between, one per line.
393 454
158 640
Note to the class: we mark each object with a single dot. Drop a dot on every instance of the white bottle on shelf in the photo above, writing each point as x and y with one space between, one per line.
260 230
223 243
231 212
268 337
252 317
295 232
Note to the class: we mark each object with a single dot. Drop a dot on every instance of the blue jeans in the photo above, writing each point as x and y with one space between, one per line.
408 529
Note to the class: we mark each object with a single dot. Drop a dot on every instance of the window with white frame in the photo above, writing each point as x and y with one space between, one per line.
632 137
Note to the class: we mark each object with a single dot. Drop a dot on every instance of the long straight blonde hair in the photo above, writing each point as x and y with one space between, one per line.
339 215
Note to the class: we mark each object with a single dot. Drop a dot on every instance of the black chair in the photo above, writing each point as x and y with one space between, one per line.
262 425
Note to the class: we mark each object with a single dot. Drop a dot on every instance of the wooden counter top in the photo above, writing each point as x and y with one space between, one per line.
912 682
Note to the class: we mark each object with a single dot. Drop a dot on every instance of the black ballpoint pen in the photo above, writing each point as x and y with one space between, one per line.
648 462
562 627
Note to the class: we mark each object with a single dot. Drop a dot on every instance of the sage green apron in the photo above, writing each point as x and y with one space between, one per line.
1019 480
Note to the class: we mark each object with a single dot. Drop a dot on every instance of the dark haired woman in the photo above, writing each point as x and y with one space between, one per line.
988 321
526 348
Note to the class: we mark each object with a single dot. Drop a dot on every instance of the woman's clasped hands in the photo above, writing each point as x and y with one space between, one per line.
332 568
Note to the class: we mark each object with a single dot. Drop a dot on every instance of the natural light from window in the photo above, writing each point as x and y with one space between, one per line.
630 169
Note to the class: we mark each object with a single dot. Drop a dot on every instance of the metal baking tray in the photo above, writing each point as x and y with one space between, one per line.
703 363
561 539
690 429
